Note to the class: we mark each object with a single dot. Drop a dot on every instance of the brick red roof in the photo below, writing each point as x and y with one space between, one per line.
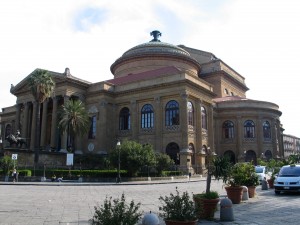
144 75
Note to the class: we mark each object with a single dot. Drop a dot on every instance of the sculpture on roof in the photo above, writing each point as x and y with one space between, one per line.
155 35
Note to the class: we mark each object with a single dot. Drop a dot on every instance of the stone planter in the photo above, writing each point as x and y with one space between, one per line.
271 183
235 194
206 207
251 191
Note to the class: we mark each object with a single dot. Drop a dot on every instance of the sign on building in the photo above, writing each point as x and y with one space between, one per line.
70 158
14 156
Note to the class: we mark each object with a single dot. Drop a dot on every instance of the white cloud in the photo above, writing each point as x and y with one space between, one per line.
259 39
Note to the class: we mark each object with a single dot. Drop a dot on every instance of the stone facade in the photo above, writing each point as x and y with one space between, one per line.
176 98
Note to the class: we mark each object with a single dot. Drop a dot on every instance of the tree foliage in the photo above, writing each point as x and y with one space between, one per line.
6 164
41 85
163 162
73 118
133 156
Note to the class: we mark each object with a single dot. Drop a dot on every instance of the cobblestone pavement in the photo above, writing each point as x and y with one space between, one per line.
70 204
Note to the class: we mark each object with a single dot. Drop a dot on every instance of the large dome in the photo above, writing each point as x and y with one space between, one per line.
153 55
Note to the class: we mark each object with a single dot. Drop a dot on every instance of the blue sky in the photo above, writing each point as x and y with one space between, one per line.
257 38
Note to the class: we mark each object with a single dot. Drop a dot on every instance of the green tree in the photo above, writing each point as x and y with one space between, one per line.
6 164
133 156
163 162
73 119
42 86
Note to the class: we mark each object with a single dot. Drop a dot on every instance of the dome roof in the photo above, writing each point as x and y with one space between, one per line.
154 48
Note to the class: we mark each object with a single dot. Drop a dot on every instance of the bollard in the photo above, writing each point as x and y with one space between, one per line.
264 184
245 194
226 211
150 219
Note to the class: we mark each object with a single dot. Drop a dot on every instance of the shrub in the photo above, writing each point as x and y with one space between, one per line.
117 212
178 207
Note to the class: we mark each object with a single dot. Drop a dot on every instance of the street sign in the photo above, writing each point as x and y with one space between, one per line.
14 156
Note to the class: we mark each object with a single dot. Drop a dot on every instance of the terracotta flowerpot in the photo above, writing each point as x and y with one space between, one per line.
171 222
206 207
251 191
235 194
271 183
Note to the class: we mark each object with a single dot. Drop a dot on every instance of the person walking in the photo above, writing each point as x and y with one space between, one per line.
15 175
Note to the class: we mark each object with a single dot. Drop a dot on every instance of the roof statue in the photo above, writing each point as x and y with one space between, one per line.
155 35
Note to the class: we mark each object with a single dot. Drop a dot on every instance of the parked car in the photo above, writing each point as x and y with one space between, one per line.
288 179
261 171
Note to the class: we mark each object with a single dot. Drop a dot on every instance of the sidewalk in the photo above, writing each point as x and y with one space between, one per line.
77 183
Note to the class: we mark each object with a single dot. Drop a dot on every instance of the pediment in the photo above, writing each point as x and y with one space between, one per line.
66 78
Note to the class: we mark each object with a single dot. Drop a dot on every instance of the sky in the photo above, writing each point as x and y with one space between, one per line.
257 38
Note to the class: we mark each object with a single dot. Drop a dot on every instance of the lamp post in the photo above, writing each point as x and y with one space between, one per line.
119 162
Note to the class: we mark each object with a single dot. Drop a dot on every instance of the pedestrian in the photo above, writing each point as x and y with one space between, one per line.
190 174
15 175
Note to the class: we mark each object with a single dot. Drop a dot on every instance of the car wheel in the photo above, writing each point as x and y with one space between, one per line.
277 192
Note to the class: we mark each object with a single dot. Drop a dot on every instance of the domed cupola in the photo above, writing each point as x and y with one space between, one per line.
153 55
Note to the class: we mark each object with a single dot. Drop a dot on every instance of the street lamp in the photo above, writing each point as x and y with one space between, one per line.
119 162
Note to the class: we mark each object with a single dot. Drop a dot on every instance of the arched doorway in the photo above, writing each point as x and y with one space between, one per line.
251 156
230 155
173 151
268 155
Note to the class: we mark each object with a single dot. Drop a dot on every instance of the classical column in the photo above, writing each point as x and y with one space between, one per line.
134 119
44 123
159 123
240 139
260 137
53 123
33 125
18 109
210 133
25 122
183 120
198 124
64 139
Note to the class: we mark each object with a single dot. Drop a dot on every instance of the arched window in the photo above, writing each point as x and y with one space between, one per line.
249 129
230 155
173 151
192 149
228 129
92 131
7 130
203 118
172 113
267 130
190 110
147 116
124 119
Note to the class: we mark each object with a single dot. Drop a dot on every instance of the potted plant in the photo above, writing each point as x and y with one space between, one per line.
116 212
251 179
206 202
274 167
178 209
234 183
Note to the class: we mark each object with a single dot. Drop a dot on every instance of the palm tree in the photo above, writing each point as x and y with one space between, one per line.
73 119
42 86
